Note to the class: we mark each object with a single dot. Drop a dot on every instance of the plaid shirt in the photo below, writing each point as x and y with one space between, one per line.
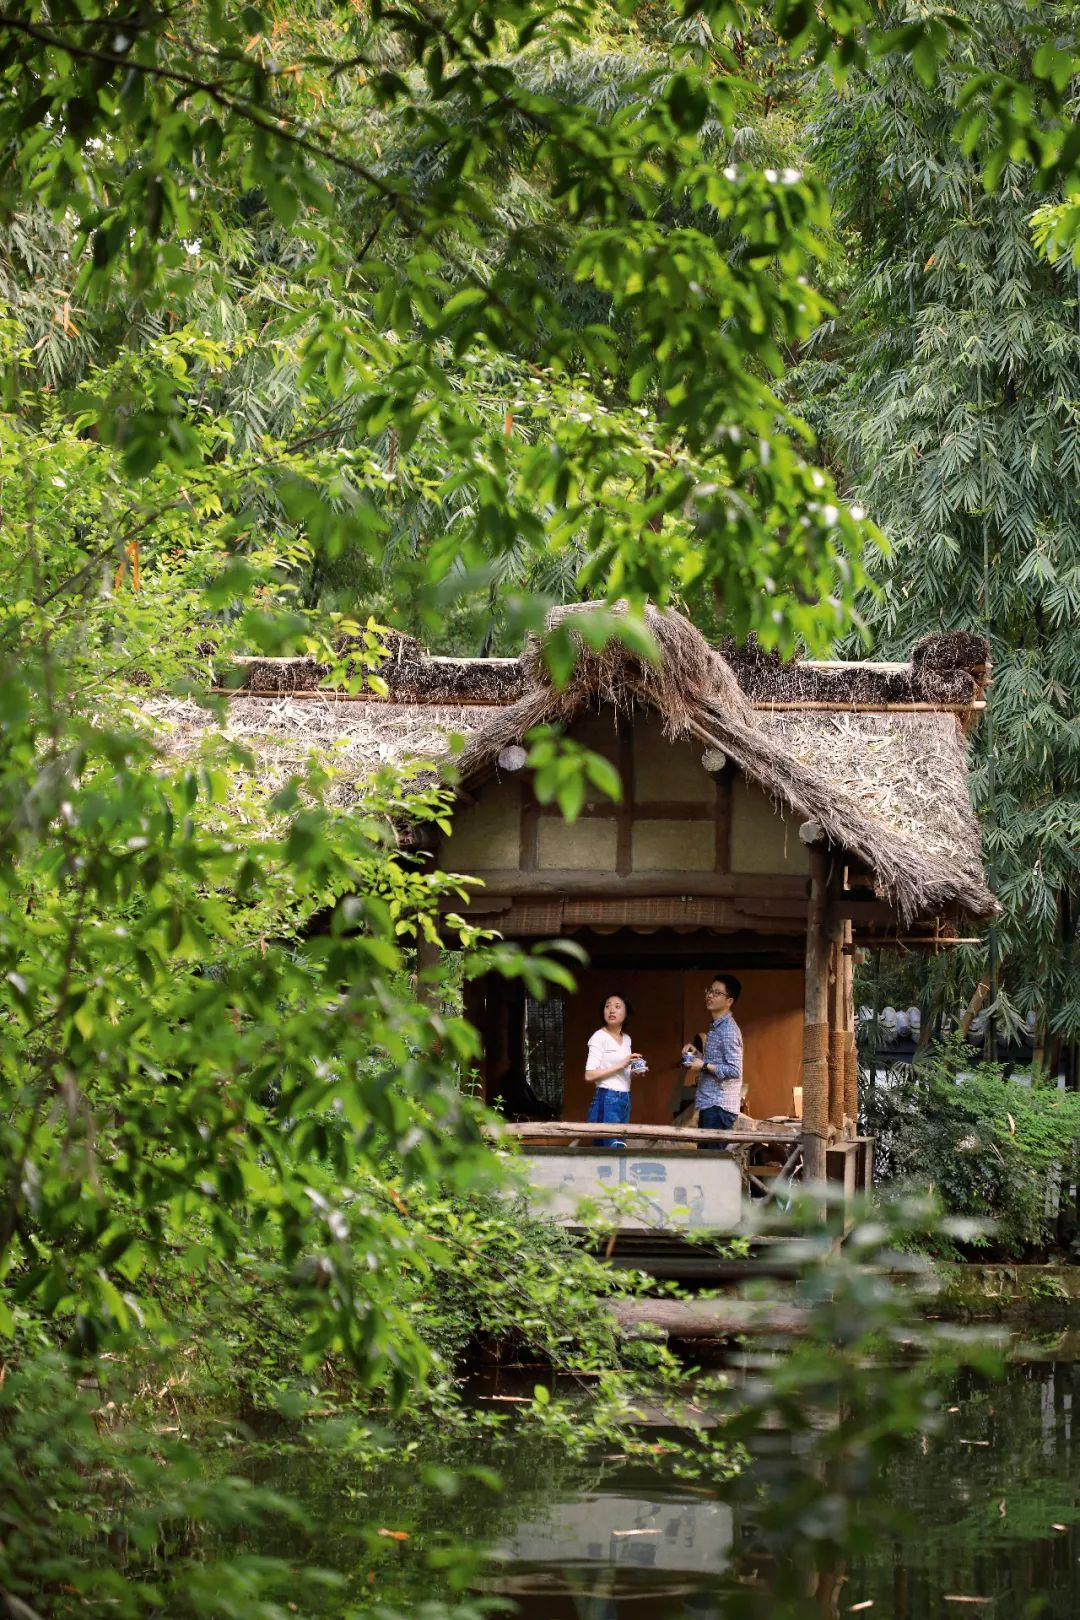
723 1049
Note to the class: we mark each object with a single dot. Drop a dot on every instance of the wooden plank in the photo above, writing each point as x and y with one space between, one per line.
723 820
851 1083
862 911
558 1130
696 949
624 848
656 810
768 905
330 694
605 810
707 1319
529 838
563 881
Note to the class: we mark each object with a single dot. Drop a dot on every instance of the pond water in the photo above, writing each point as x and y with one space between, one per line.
978 1518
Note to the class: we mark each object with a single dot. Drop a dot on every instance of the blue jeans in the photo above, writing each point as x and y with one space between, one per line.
716 1119
609 1107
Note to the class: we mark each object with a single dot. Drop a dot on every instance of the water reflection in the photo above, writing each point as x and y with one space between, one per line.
979 1518
602 1550
976 1519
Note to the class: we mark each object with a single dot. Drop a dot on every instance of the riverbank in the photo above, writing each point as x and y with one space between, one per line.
1025 1294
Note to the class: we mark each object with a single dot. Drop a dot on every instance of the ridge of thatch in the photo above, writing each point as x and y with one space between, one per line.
411 674
695 693
944 668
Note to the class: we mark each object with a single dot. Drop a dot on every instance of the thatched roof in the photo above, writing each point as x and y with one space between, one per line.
874 753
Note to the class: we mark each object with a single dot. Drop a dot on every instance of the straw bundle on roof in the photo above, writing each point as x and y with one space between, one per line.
951 649
622 678
906 770
411 674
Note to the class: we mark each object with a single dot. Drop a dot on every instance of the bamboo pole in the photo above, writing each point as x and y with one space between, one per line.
815 1068
974 1007
900 707
836 1025
851 1054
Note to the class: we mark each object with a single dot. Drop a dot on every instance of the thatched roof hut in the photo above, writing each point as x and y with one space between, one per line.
774 814
873 753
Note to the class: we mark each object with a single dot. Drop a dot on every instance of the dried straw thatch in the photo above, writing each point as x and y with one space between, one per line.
907 771
353 739
889 788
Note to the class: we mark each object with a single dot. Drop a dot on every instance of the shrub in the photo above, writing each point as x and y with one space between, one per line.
988 1147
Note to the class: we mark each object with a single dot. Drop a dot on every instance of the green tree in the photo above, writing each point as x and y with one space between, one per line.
283 259
948 392
285 285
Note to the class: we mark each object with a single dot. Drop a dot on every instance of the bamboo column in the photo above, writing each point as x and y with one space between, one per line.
851 1055
815 1067
836 1028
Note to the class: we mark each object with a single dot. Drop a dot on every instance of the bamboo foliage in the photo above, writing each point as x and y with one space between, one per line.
950 393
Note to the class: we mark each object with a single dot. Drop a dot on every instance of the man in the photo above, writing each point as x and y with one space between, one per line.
719 1069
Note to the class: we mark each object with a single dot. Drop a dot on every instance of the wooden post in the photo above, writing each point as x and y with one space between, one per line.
476 1006
815 1068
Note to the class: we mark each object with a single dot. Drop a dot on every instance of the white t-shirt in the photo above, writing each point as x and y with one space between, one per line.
604 1050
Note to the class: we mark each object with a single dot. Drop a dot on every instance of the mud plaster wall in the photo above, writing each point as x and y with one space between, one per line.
673 846
599 733
577 846
666 771
486 836
665 775
763 840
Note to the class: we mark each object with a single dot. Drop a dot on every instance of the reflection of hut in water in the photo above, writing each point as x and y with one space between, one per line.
585 1557
772 816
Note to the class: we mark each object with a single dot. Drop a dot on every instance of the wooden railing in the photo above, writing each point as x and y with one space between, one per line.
570 1131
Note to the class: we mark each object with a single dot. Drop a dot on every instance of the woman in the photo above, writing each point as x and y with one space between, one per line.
608 1068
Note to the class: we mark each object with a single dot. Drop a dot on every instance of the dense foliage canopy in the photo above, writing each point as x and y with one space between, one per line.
947 391
317 317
